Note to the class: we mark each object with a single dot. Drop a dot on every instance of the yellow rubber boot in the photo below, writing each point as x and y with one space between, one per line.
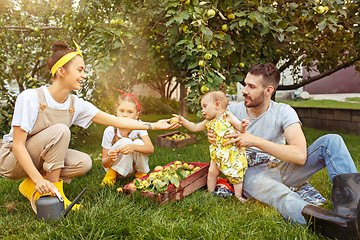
67 202
110 178
27 187
139 175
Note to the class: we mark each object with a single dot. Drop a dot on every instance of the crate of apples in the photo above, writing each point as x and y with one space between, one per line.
171 182
175 140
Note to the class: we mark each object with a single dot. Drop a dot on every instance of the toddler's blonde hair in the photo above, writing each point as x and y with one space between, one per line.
218 96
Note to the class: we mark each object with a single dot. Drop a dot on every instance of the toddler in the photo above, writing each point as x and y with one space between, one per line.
230 159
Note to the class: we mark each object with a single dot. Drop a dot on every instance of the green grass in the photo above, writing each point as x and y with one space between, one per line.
326 103
109 215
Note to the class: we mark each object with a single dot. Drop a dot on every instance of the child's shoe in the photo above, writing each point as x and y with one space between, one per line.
110 178
139 175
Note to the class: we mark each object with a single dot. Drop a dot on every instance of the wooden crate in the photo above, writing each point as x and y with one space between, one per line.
192 183
162 141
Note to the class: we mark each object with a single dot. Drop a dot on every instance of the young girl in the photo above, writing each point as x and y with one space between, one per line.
37 146
125 151
230 160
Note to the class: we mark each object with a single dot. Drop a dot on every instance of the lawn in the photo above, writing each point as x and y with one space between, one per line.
109 215
352 103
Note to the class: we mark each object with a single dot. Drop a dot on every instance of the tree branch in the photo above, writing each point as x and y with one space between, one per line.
19 29
319 76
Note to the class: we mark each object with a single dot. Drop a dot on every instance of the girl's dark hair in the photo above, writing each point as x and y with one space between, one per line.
59 49
271 75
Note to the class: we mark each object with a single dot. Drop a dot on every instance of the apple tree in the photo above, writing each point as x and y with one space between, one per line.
212 43
28 29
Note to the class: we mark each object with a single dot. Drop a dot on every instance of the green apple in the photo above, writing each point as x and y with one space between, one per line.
19 46
211 13
320 10
225 27
231 16
199 47
208 56
241 65
112 21
204 89
201 63
158 168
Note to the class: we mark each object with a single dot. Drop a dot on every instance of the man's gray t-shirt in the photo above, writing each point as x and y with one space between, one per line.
269 126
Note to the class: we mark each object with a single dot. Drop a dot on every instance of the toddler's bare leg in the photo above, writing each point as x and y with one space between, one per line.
212 176
238 191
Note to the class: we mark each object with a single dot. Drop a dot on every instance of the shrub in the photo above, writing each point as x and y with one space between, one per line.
151 105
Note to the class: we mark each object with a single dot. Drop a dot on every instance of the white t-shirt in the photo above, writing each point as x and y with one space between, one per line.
109 134
27 108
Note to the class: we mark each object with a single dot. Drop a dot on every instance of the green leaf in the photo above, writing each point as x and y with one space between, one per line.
168 23
283 24
322 25
281 37
242 22
208 35
264 31
117 44
192 65
293 6
175 181
291 28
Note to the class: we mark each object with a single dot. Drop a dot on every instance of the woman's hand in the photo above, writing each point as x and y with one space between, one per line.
164 124
44 186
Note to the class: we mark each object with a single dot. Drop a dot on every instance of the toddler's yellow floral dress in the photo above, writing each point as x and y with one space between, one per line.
230 160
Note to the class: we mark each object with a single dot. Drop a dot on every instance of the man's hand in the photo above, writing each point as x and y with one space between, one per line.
241 139
211 137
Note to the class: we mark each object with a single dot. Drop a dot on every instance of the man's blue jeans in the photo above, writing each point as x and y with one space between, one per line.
270 185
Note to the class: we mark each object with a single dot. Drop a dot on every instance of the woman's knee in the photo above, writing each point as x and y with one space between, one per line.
61 130
86 164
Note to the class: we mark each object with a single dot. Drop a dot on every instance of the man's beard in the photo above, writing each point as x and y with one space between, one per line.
254 102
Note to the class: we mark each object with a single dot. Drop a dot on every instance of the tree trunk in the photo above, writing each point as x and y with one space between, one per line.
183 108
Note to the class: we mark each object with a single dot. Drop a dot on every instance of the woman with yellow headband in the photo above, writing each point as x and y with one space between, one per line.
37 146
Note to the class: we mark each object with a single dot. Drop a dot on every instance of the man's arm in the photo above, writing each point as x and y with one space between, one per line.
294 151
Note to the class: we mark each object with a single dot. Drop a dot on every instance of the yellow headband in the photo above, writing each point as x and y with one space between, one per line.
67 57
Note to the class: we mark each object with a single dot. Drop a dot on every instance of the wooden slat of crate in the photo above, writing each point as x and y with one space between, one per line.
162 141
186 191
192 183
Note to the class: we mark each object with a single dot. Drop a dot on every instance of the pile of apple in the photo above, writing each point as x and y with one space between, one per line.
162 177
179 137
